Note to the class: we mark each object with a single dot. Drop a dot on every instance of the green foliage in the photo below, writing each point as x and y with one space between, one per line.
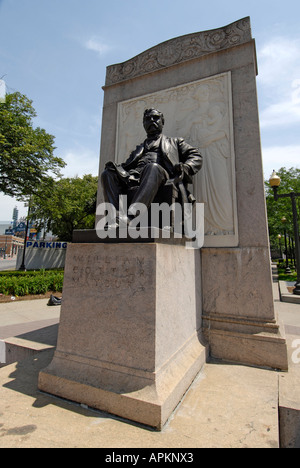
31 282
283 276
26 153
290 182
66 205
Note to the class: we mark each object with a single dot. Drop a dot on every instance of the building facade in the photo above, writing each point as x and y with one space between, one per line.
9 245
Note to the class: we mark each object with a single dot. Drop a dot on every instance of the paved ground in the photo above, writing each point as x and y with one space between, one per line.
227 406
21 317
8 263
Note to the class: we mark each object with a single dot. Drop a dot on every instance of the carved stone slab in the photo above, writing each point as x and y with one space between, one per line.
179 50
201 113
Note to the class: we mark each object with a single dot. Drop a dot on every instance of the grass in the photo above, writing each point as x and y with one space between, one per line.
283 276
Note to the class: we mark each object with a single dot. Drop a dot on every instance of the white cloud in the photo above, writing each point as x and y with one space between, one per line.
80 162
285 112
96 45
7 204
2 90
279 77
279 61
275 157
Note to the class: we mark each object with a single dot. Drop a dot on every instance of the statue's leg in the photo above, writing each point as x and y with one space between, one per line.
152 177
112 187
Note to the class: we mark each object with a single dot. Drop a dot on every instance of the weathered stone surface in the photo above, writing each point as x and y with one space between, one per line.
129 339
236 273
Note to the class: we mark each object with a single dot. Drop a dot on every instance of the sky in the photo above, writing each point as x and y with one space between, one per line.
56 52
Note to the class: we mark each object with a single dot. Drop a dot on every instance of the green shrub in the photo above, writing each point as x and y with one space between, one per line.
35 282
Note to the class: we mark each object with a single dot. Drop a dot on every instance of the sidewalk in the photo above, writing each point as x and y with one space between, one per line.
26 327
8 263
228 406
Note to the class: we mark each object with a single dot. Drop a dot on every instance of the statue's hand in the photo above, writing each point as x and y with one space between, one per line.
178 173
178 169
109 164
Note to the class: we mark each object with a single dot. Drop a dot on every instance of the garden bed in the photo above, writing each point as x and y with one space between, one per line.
33 284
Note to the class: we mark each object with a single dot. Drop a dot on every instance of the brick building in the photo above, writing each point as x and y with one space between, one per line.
10 245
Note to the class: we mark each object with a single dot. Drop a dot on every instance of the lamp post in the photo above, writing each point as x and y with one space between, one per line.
293 249
23 267
279 240
275 183
287 267
291 252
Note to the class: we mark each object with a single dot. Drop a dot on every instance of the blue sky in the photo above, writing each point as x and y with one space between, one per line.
56 52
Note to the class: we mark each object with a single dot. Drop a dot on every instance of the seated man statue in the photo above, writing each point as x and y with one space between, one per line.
159 160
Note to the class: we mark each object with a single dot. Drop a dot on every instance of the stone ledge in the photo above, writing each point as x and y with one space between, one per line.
286 295
266 350
16 349
150 236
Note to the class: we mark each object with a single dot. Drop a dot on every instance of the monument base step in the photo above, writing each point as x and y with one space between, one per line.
255 350
151 405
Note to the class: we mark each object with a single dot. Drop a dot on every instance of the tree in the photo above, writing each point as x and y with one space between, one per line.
26 154
290 182
65 205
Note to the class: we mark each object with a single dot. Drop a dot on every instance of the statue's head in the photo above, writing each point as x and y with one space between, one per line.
153 121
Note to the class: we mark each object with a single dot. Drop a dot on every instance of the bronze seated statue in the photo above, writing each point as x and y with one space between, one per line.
157 171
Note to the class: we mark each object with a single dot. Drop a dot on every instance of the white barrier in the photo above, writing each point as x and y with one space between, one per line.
41 254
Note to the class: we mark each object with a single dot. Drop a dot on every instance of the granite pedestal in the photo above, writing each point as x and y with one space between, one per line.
129 340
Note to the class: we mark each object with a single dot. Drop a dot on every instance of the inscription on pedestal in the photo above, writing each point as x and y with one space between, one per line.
109 274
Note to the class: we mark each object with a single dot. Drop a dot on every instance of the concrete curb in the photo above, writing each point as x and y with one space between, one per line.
286 295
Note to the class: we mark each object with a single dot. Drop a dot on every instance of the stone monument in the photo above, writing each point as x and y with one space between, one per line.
207 80
139 317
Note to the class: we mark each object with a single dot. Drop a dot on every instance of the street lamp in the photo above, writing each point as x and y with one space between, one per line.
275 183
279 240
287 267
23 267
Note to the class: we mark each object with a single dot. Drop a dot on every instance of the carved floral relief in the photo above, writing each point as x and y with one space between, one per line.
179 50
